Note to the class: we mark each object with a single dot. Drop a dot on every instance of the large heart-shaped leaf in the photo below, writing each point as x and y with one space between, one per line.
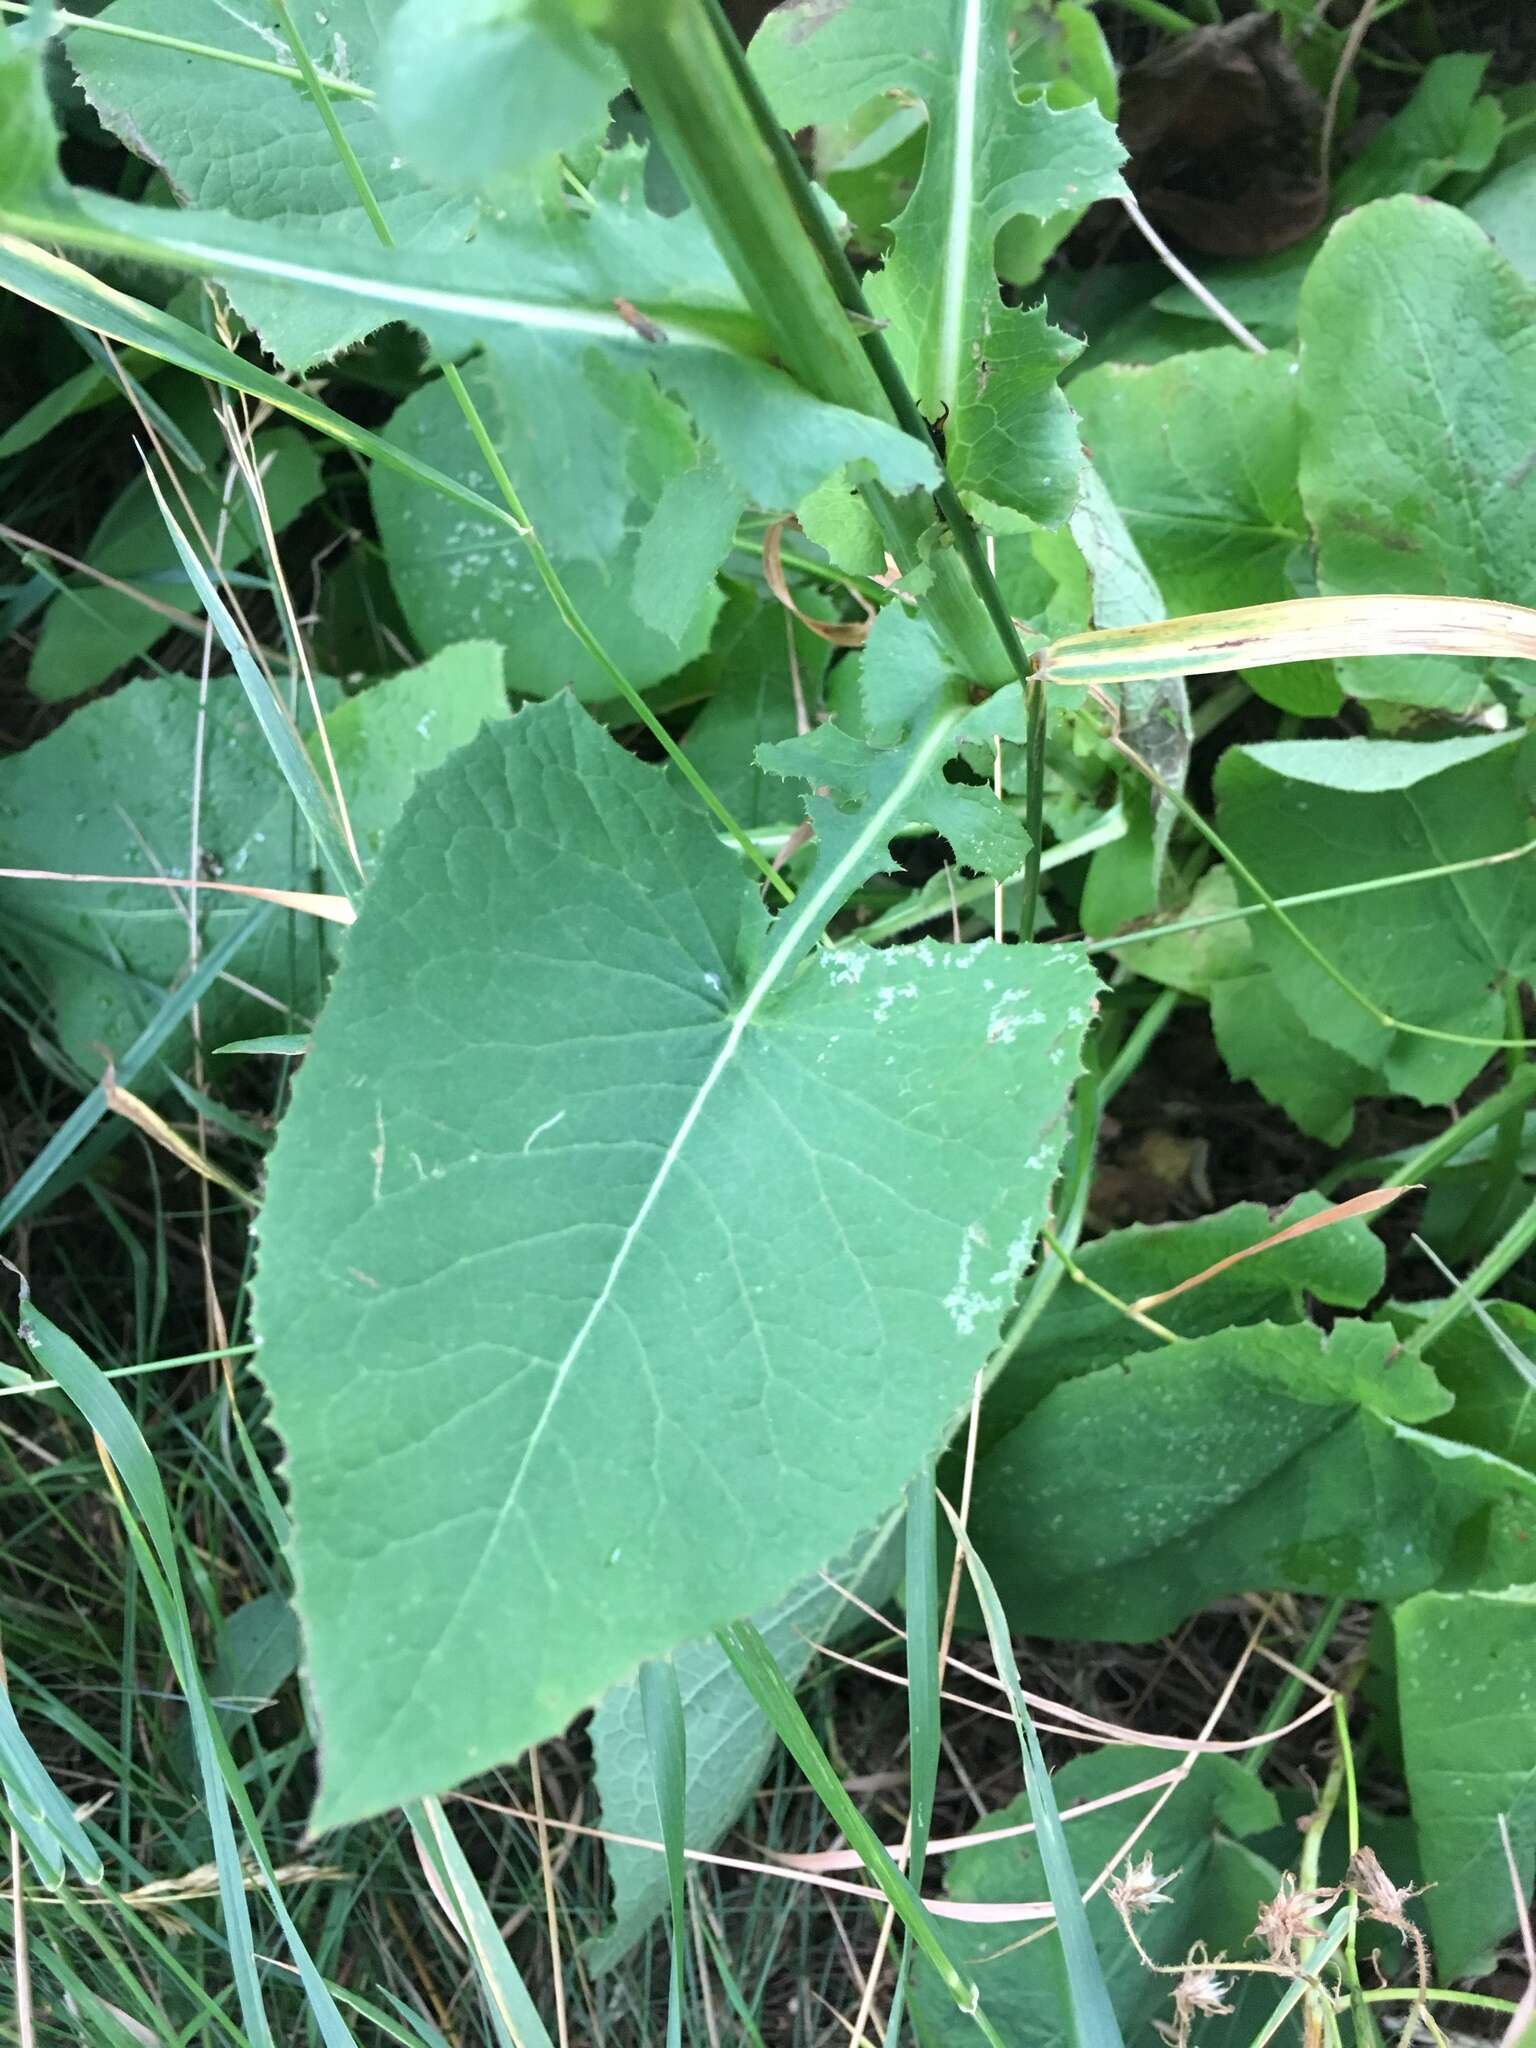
621 1261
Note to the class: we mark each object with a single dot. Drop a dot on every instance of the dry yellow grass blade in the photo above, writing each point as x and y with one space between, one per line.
1303 629
154 1126
336 909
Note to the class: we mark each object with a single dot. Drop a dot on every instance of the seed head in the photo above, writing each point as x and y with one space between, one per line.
1138 1888
1288 1919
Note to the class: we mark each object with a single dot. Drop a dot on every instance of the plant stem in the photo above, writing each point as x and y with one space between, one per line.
693 79
1283 1705
840 274
1510 1101
1513 1245
548 575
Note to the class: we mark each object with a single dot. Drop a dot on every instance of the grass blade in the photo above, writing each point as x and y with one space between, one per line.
150 1534
277 728
923 1705
764 1680
1093 2016
514 2012
73 294
38 1810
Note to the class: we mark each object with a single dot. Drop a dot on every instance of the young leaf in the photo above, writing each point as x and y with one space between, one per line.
687 1165
988 373
227 137
1265 1456
1418 346
850 779
1466 1665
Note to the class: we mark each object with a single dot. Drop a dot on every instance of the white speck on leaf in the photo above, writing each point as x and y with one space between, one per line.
965 1302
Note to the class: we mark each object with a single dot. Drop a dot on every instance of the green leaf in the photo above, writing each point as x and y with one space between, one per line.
986 371
1214 1890
1080 1332
1505 209
1447 126
1432 953
849 779
93 630
1495 1401
456 572
258 1652
1418 349
1466 1667
1267 1456
688 536
29 149
664 1432
1064 50
227 137
1264 1039
753 704
102 955
730 1739
1200 453
475 92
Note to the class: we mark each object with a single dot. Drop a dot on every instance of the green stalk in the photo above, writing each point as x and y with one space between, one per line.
548 574
1512 1246
1504 1166
1404 1172
961 527
748 187
1283 1705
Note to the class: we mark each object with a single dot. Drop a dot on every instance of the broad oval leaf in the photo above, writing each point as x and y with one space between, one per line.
1418 349
619 1262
